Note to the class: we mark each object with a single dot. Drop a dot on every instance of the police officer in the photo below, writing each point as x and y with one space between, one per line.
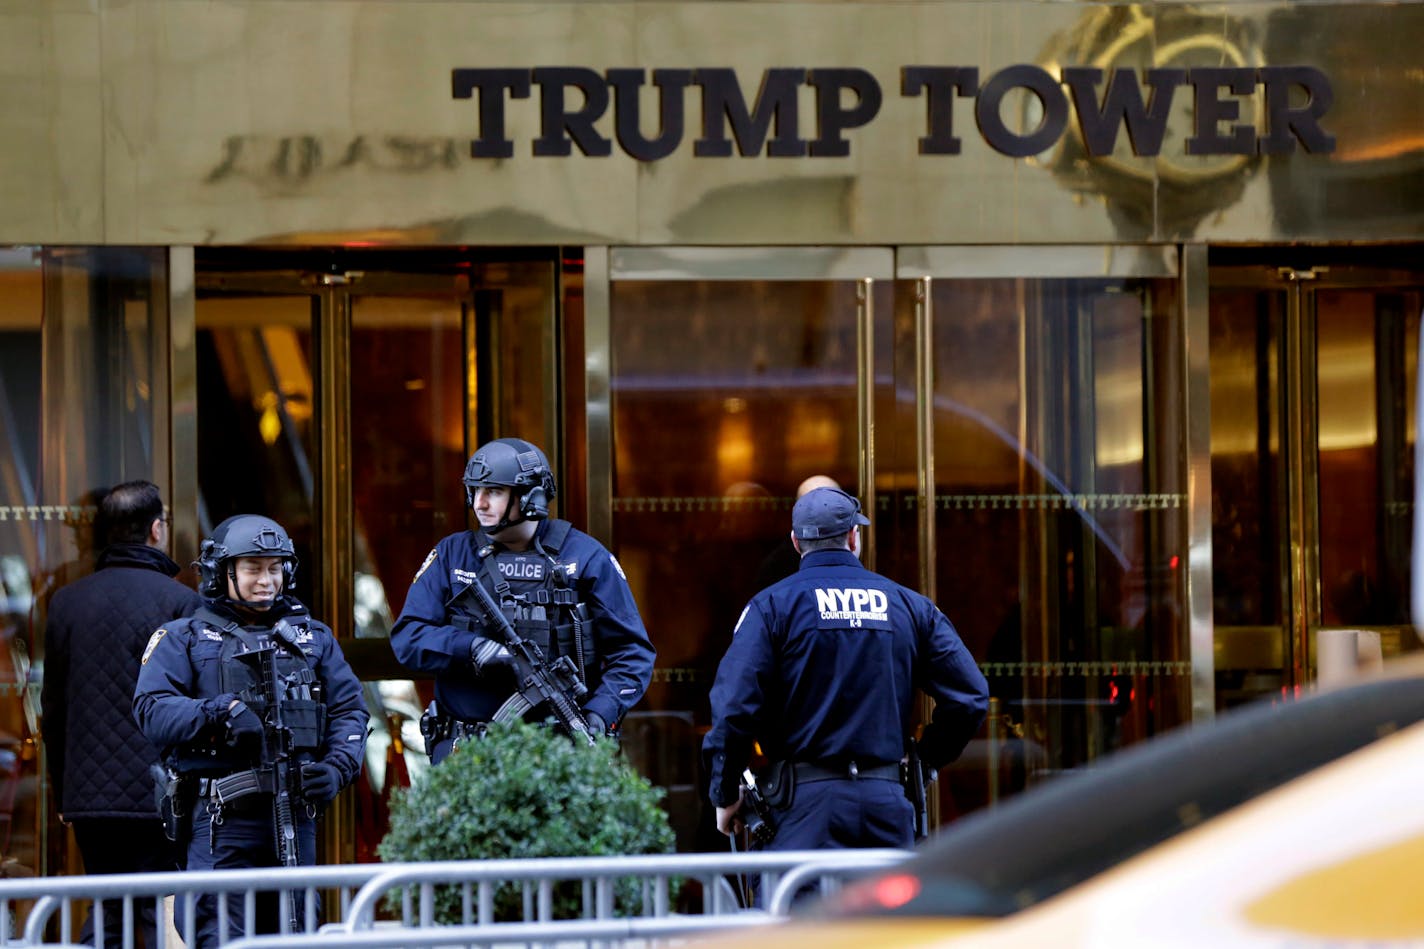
558 586
822 670
203 696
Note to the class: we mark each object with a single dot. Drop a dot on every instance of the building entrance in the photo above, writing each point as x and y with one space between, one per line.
1313 432
341 393
1011 417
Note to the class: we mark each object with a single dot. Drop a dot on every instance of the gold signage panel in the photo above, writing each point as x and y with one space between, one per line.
331 121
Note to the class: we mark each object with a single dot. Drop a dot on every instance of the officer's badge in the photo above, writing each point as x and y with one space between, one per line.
430 559
153 641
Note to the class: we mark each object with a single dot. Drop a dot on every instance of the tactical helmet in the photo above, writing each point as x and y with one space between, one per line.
515 464
243 535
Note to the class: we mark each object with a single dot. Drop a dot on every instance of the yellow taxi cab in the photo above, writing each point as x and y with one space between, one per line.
1294 825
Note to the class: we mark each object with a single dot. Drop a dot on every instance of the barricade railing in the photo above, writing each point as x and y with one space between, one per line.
478 880
407 892
563 934
68 897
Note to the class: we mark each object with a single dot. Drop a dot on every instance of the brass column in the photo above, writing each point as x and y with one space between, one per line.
334 509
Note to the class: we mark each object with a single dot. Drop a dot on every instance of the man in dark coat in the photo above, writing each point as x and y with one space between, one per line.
95 635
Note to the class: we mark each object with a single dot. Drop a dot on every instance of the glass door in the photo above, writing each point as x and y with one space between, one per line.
732 376
341 394
1048 405
1313 427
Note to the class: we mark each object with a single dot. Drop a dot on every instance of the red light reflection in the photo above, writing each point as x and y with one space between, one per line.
896 890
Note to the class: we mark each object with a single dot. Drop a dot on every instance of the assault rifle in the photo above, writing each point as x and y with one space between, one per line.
539 682
277 756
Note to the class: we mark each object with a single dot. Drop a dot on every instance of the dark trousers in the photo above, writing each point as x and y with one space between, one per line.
124 845
244 838
829 815
838 815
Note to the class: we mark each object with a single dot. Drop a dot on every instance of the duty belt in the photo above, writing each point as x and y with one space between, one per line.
437 726
236 786
807 772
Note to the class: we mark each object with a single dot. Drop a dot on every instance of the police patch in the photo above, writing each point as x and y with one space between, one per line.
617 566
430 559
740 618
153 641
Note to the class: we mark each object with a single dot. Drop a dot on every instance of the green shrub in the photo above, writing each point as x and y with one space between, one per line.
525 791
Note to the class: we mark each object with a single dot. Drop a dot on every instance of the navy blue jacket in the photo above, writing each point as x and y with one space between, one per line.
425 640
180 702
823 668
95 631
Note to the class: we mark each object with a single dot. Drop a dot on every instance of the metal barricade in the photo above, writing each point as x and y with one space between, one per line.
477 879
61 896
563 934
363 888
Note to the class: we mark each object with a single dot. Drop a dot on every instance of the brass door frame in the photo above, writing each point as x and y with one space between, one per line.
1298 506
331 367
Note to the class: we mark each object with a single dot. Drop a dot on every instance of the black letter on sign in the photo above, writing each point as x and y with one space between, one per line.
831 119
722 97
554 121
1282 120
991 123
671 84
1212 110
1123 103
942 82
491 83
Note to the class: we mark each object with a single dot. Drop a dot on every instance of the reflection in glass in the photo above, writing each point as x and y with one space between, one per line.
407 444
407 451
256 452
1060 518
1367 341
21 570
83 406
726 394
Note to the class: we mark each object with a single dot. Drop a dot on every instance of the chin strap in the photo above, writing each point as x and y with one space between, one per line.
516 503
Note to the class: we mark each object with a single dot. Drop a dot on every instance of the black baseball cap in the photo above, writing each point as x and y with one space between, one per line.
825 512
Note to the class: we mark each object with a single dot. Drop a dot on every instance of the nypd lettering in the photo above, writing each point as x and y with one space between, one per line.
852 606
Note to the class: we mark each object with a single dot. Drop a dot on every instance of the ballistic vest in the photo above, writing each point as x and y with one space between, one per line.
535 592
246 660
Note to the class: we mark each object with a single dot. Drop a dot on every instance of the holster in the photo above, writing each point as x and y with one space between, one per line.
436 726
174 795
777 783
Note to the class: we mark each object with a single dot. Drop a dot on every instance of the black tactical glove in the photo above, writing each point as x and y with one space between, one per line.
488 655
320 782
244 728
597 727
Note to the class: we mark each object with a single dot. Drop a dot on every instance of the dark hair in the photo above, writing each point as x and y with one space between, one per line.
127 512
838 542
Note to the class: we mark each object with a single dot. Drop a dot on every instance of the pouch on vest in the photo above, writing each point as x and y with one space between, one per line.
306 721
